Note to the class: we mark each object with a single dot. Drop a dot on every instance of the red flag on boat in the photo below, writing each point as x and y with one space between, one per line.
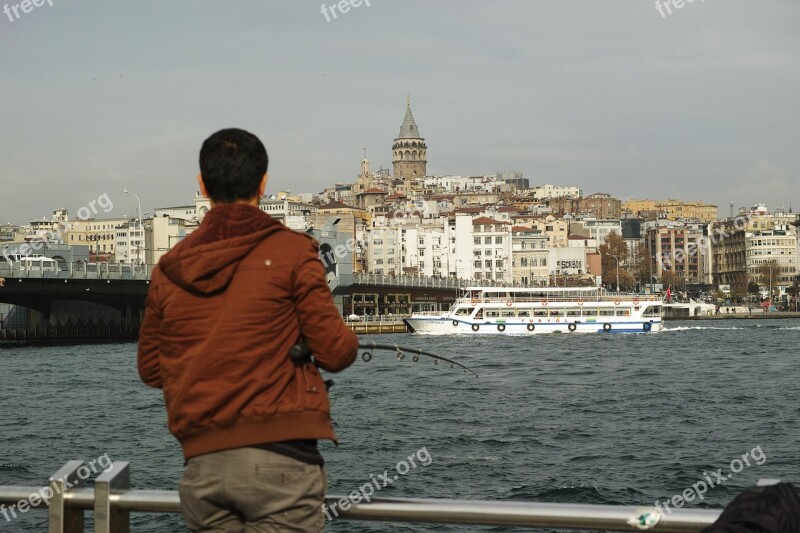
669 294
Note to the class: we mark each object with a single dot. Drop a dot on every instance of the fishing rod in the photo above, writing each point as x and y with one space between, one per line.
400 351
301 354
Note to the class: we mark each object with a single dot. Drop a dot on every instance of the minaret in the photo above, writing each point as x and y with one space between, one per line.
409 152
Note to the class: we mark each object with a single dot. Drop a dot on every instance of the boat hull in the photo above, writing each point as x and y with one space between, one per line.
452 326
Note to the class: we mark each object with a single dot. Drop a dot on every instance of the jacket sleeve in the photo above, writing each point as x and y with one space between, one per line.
149 337
333 344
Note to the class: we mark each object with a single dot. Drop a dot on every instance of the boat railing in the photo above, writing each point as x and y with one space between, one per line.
547 299
66 499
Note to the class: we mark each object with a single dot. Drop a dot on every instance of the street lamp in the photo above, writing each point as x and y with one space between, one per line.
139 203
617 260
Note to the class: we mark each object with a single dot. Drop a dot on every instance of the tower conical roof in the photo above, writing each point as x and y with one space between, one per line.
409 128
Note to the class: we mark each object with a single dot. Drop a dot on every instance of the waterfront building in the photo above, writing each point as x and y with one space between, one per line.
491 250
161 235
682 249
756 237
100 235
530 257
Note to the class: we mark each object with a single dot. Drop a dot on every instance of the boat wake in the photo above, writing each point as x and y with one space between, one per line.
690 328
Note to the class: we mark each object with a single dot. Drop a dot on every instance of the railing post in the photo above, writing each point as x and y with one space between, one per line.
60 518
106 519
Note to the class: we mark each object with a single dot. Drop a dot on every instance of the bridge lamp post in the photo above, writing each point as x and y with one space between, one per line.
139 203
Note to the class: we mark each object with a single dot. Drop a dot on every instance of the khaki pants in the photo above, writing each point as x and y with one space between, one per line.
249 490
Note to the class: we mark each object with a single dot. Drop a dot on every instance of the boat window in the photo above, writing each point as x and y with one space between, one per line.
590 311
624 312
540 312
606 312
573 312
492 313
652 311
556 312
463 311
524 313
507 314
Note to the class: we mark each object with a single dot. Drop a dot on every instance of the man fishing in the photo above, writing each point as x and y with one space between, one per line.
224 308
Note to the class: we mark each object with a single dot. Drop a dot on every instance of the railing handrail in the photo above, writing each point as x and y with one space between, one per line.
444 511
623 298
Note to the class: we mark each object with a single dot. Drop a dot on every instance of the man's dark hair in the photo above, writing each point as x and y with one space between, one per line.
232 163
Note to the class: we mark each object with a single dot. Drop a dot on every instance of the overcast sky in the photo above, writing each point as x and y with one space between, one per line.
610 96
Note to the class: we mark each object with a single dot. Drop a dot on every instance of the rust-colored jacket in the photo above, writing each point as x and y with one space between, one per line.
223 310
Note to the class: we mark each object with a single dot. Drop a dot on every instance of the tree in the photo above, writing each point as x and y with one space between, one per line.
640 265
739 285
669 277
768 275
752 288
627 282
614 246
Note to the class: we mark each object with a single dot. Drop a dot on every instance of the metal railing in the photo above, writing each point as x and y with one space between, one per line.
66 499
368 278
545 299
77 270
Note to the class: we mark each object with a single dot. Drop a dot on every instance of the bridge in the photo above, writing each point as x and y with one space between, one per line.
79 300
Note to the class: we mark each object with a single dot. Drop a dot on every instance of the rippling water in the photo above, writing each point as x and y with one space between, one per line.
618 419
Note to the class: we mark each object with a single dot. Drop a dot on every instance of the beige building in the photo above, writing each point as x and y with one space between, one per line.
161 235
99 234
530 255
672 209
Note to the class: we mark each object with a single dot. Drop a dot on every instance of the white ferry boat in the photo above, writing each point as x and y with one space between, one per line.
501 310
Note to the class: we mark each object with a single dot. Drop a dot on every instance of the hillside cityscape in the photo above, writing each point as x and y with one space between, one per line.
492 229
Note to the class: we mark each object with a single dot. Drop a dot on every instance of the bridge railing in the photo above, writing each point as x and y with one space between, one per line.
405 280
77 270
66 499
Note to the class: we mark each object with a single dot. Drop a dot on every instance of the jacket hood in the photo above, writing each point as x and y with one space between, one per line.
205 261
